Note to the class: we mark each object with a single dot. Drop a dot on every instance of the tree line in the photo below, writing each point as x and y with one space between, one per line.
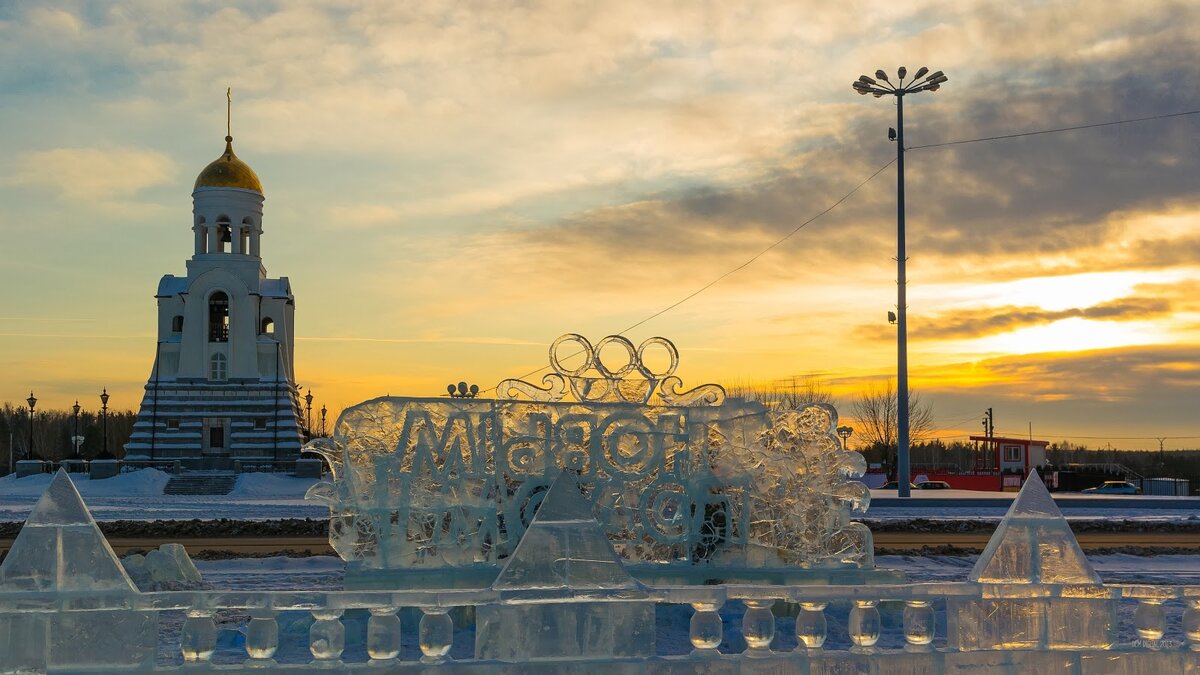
52 431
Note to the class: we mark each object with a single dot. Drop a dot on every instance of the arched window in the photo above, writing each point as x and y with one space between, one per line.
268 326
218 317
177 324
218 368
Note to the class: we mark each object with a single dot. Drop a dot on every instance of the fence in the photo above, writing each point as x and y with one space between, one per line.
918 606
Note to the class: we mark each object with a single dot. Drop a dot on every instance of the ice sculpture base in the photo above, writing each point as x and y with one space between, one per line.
565 630
361 578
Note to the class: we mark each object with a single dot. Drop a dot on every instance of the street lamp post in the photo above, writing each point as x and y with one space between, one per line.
308 413
75 438
104 417
32 401
323 420
845 431
879 87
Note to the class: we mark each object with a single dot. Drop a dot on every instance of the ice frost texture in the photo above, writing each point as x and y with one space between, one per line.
672 475
1032 546
595 608
60 550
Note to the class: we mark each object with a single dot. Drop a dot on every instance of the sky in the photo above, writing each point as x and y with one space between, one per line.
450 186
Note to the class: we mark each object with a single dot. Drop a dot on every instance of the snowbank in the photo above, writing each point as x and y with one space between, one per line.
270 486
134 483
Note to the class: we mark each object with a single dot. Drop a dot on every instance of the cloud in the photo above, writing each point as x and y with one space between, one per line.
85 174
990 321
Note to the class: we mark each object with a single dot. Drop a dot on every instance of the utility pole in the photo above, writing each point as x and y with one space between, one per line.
881 86
989 429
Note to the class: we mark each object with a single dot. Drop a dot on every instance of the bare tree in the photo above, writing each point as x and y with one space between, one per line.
785 394
875 409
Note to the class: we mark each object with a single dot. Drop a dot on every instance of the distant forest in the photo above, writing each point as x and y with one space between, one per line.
52 431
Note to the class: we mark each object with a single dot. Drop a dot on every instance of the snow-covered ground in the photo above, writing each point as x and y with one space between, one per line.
261 496
137 495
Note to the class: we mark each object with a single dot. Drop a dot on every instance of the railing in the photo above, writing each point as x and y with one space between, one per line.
917 605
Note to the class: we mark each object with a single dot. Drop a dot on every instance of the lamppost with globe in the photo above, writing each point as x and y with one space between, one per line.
308 413
881 86
845 431
32 401
323 411
104 417
75 438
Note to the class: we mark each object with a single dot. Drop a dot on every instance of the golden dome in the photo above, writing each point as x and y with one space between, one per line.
227 171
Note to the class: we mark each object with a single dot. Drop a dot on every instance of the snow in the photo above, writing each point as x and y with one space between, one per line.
137 495
132 484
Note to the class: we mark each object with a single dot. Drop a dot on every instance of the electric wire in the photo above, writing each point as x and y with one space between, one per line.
734 270
857 188
1052 131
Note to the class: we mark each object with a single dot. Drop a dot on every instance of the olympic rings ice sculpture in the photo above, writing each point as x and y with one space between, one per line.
594 381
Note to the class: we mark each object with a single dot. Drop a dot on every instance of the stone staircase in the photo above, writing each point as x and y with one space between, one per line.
201 484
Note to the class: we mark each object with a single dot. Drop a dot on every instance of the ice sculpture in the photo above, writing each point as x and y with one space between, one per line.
587 603
1034 548
60 550
673 475
564 549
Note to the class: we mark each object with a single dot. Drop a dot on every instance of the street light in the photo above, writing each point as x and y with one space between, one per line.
322 420
104 416
308 412
32 401
75 438
845 432
880 86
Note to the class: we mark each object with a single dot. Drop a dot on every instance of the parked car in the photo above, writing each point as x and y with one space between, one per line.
933 485
894 485
1115 487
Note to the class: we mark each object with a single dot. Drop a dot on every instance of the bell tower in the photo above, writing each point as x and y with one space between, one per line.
222 387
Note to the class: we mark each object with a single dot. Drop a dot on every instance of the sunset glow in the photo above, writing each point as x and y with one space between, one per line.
449 189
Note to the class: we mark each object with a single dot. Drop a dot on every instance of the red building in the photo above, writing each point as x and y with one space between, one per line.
1002 464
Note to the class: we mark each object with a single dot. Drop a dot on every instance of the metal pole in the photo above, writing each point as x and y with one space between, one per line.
901 311
104 417
31 453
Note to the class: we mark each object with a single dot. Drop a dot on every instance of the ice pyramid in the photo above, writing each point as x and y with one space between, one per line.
61 549
564 547
1033 544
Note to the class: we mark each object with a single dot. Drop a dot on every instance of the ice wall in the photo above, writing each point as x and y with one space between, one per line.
673 475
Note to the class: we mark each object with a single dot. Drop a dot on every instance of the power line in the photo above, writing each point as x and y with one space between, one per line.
740 267
857 187
1054 131
761 253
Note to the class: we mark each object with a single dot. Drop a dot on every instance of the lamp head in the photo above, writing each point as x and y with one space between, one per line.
104 396
32 400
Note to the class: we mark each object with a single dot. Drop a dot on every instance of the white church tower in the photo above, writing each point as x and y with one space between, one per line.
222 388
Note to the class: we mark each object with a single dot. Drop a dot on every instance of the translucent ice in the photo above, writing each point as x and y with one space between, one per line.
674 476
61 549
590 606
564 547
1033 544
